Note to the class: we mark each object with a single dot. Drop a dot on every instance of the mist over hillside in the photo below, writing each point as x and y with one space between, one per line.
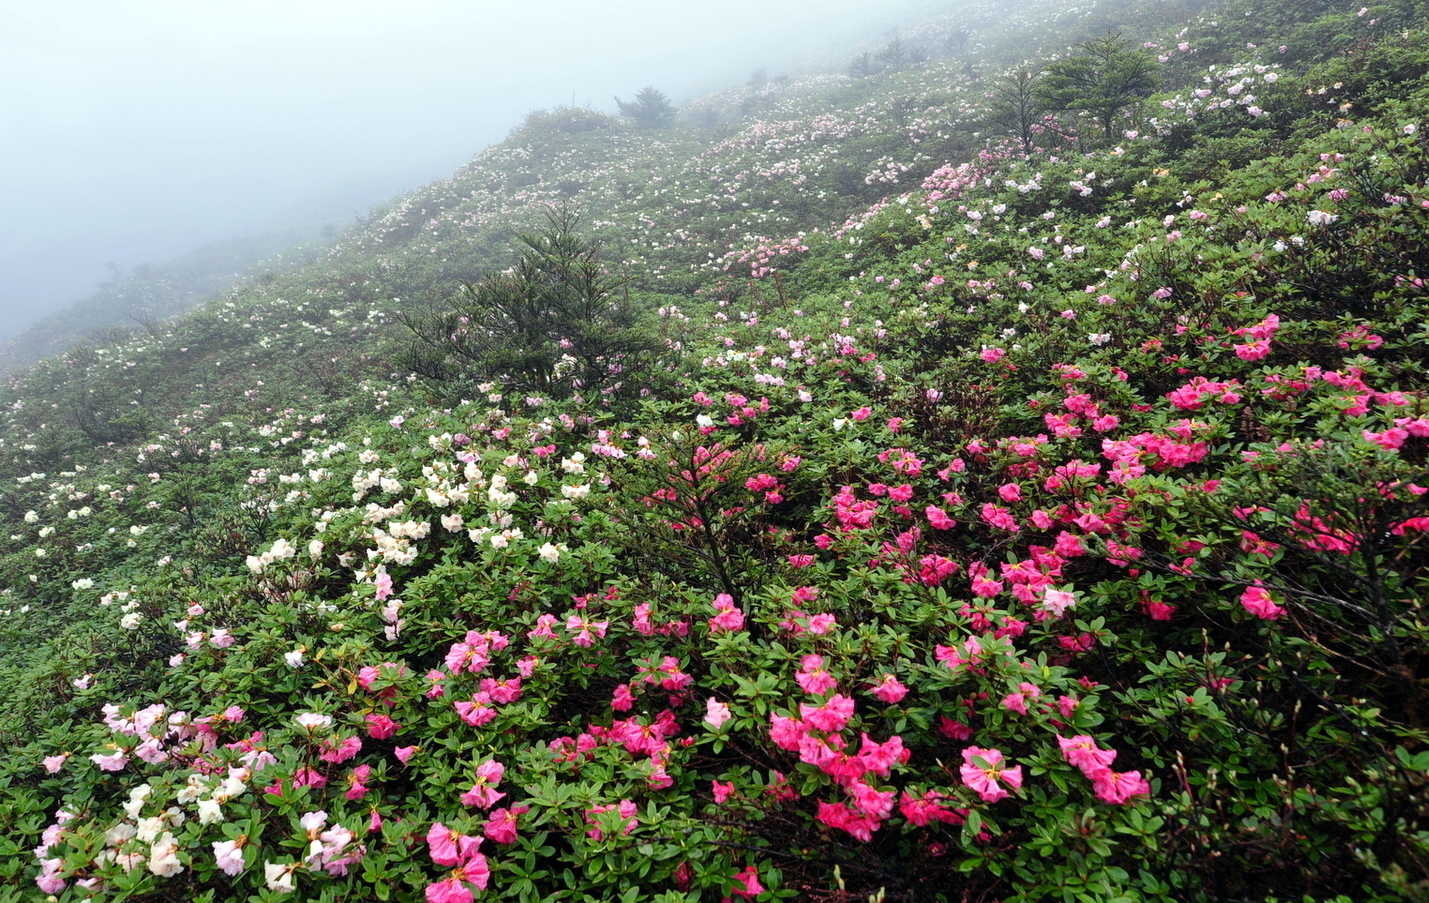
986 462
141 133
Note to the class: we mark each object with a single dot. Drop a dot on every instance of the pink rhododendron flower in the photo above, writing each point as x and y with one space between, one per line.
727 619
787 733
627 810
501 827
983 769
813 677
483 793
1119 787
1158 611
1252 351
502 690
1257 601
49 880
889 689
586 631
1082 752
469 657
839 815
747 883
543 629
928 808
114 761
622 699
356 782
312 721
939 518
477 711
383 582
308 777
381 727
452 889
999 517
1391 439
830 717
337 750
450 848
869 801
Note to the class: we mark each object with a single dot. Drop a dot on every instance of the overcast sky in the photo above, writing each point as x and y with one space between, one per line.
138 130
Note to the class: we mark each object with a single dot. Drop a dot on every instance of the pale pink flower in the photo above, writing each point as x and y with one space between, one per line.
228 856
114 761
716 713
1058 601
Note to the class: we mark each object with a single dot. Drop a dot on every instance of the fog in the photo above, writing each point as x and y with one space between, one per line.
133 132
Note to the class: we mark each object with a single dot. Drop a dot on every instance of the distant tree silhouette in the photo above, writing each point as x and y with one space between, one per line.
650 109
862 66
894 55
957 42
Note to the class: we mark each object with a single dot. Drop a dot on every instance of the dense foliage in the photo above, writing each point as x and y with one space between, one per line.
992 515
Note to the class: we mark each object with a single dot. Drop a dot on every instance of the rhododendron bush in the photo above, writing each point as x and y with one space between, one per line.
1058 529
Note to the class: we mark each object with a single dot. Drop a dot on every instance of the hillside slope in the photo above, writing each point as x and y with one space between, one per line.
953 523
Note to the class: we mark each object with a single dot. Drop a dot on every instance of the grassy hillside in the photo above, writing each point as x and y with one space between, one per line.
867 487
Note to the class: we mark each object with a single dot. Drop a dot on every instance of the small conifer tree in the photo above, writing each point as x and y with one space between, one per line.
650 109
556 323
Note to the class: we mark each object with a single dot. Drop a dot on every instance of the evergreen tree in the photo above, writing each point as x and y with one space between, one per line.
1015 107
555 323
1105 80
650 109
862 66
894 55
